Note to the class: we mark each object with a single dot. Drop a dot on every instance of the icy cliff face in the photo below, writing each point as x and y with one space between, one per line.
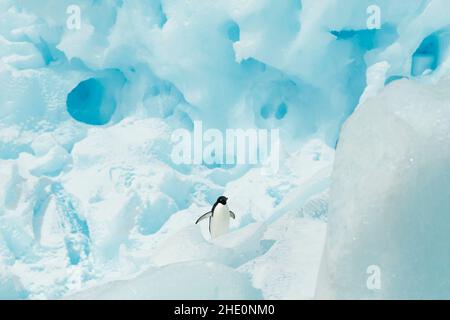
92 93
389 205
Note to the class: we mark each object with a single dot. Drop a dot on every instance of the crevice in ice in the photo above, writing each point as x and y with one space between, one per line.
77 238
392 79
162 16
39 209
45 51
368 39
49 52
428 55
73 228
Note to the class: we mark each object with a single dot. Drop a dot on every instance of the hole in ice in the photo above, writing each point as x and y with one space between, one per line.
231 30
281 111
428 55
93 101
234 33
265 111
89 103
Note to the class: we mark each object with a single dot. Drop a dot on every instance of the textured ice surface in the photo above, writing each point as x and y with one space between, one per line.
390 194
89 196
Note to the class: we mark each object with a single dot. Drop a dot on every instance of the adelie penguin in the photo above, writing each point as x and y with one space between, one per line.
219 217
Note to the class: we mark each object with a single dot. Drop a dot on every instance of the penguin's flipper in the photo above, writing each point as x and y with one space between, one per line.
232 214
206 215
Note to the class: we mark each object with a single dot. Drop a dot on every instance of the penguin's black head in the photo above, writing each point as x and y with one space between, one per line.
222 200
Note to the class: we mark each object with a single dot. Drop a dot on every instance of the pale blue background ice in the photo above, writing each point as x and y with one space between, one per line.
89 196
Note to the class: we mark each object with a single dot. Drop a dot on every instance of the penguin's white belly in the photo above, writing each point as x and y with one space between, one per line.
220 221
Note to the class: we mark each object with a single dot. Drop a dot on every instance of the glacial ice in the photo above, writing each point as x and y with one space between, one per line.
91 203
389 200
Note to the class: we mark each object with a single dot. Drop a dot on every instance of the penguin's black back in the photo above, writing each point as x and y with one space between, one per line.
214 208
212 214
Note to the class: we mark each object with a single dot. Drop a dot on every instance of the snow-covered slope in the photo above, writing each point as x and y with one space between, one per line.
121 211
